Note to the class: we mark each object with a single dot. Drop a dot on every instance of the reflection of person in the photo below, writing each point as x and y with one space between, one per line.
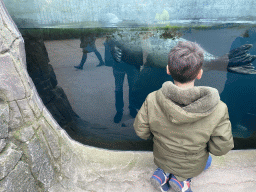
88 45
186 121
154 75
240 89
122 66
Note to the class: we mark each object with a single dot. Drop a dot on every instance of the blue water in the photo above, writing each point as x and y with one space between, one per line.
236 90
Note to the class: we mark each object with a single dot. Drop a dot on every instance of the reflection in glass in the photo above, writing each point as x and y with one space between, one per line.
88 46
99 94
97 105
239 91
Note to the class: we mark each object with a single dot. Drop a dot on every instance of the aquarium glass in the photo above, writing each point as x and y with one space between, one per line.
94 62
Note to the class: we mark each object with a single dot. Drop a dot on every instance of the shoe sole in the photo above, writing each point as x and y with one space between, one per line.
174 187
156 185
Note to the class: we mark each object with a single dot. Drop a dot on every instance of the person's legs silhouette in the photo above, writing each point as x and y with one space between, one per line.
119 102
97 53
83 60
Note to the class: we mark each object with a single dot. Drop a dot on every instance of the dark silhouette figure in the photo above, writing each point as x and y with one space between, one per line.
240 88
152 76
124 62
88 46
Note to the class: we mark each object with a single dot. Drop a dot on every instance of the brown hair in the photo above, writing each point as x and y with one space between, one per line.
185 61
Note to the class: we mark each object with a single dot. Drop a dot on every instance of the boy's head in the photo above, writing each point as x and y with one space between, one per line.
185 61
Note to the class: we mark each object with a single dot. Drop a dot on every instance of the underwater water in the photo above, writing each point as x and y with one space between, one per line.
97 85
91 60
122 13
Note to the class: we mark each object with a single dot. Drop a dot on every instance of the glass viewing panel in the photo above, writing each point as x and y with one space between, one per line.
94 63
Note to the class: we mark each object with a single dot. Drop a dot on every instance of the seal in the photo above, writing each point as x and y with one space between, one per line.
127 46
127 43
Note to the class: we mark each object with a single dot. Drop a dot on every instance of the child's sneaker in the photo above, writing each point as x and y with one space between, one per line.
179 186
159 180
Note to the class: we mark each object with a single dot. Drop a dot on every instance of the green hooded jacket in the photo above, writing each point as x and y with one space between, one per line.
186 124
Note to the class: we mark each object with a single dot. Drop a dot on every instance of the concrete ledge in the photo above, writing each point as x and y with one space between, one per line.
234 171
106 170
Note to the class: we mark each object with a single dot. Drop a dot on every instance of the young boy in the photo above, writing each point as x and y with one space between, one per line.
186 122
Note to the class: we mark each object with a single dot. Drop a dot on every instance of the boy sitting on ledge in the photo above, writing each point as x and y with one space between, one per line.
186 122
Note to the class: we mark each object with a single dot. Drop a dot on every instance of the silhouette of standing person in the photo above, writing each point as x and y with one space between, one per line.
240 88
124 62
153 74
88 46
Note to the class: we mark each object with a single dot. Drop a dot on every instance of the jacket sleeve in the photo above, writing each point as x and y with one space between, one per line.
141 123
221 141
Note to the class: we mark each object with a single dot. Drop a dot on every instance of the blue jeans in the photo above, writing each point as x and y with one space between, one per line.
84 57
208 164
119 75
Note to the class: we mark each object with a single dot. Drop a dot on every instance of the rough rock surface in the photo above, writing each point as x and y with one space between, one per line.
8 159
45 81
19 179
36 154
4 119
2 144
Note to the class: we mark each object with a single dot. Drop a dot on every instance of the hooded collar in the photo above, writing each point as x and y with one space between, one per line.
199 99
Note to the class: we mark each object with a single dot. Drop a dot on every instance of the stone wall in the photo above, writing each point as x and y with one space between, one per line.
26 164
36 154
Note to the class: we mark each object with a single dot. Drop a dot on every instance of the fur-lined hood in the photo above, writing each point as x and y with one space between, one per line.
187 105
186 124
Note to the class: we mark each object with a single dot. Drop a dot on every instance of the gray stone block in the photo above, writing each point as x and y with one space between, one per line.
24 134
2 144
3 47
8 159
35 104
42 139
36 155
4 119
68 168
36 98
13 43
26 111
15 116
49 118
7 35
16 52
19 179
35 125
68 184
10 79
46 174
40 161
19 52
51 138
